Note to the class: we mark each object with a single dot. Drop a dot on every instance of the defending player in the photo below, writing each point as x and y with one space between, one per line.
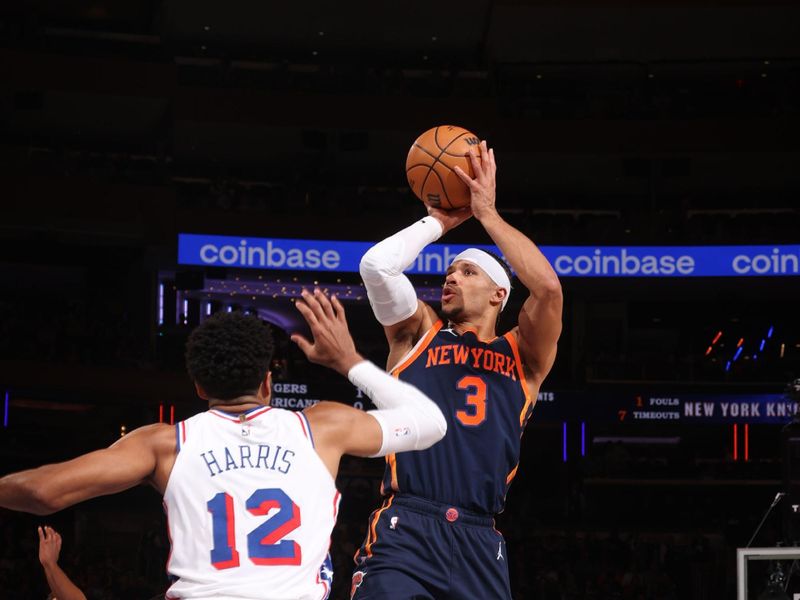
249 490
433 537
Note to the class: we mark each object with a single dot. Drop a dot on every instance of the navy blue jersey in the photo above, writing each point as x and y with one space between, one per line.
481 389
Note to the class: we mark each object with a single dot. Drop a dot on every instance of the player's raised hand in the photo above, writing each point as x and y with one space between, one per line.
450 218
333 346
482 187
49 546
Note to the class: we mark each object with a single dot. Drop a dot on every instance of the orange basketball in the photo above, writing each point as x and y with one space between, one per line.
430 162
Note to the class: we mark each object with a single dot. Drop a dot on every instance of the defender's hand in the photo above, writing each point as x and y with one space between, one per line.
482 188
49 546
333 346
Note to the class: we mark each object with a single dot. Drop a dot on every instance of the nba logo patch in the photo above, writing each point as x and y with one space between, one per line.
358 579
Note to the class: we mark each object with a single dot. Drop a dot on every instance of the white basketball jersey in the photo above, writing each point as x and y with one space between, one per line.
250 508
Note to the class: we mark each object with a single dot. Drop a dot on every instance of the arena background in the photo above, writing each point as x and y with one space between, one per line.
127 123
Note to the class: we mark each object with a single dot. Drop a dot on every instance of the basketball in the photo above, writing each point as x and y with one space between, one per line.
430 162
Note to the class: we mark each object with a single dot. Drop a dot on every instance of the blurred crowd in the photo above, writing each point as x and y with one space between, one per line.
77 332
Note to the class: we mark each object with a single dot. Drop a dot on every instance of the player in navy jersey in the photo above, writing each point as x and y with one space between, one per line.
433 537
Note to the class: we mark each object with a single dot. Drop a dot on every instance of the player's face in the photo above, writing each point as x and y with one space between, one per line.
467 291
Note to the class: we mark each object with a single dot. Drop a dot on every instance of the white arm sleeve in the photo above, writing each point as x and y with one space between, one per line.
390 293
409 419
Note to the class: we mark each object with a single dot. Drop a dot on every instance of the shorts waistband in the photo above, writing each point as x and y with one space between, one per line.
447 512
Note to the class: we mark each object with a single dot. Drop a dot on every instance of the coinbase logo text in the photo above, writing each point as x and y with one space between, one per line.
775 262
616 262
269 256
568 261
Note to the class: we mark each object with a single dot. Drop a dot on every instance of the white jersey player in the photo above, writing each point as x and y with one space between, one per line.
249 490
253 487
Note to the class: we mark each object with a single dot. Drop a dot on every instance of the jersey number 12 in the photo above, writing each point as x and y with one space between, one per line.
265 544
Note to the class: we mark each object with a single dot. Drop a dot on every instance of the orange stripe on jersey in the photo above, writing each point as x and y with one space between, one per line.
426 339
372 531
512 341
391 460
512 474
475 332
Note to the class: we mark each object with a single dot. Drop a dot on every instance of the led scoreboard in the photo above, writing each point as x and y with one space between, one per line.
638 407
590 406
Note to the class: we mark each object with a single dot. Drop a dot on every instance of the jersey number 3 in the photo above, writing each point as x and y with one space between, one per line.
476 399
265 544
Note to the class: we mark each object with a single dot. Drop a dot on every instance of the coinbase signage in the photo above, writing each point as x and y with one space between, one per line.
568 261
674 261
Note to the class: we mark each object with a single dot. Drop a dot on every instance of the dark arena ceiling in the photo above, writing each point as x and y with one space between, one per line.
612 121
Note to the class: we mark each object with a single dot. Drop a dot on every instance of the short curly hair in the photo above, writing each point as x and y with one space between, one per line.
229 354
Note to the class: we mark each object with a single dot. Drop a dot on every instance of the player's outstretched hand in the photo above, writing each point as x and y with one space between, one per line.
333 345
482 188
49 546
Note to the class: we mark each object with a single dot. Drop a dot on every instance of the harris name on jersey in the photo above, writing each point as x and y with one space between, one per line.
245 456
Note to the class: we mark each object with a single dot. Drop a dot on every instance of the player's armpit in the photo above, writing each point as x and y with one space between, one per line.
402 336
538 331
128 462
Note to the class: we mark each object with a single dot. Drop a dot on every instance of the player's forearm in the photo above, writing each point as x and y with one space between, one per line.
23 492
390 293
530 265
396 253
409 419
61 585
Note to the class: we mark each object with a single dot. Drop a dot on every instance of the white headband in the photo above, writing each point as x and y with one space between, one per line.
490 266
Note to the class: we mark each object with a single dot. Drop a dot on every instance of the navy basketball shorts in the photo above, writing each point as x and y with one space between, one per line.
417 549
